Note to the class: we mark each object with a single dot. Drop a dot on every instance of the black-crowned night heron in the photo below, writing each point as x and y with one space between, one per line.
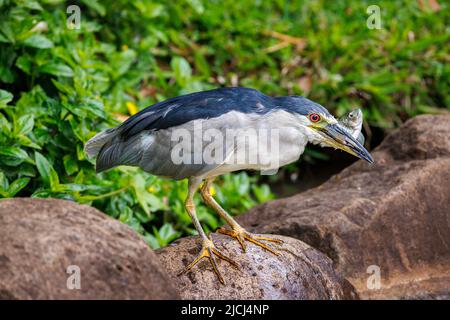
202 135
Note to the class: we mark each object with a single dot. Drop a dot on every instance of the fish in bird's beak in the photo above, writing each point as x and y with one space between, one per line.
338 137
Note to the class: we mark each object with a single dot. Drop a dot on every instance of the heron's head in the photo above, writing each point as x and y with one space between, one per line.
323 129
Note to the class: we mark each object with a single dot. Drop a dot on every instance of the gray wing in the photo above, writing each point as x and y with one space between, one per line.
182 151
199 105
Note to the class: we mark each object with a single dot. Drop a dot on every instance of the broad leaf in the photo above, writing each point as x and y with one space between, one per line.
57 69
12 156
5 97
38 41
48 174
17 185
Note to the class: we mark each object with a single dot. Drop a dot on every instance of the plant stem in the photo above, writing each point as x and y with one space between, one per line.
106 195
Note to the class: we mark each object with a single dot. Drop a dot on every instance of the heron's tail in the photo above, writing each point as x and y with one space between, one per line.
96 143
112 150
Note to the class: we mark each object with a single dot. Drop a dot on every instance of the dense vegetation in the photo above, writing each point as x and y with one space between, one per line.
59 85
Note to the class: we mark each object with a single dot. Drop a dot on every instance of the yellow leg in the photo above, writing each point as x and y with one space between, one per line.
208 249
237 232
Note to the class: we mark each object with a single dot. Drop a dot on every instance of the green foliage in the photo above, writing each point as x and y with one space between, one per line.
59 86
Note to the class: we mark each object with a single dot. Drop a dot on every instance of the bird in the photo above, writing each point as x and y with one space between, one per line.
158 139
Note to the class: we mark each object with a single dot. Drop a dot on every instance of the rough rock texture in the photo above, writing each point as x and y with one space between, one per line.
394 214
300 272
41 238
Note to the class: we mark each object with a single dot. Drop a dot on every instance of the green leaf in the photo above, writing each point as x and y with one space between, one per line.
197 5
181 69
95 107
41 193
38 41
70 164
96 6
74 187
63 87
167 233
140 192
27 170
152 241
12 156
5 97
24 125
17 185
262 193
149 9
4 184
6 30
79 177
24 63
201 64
148 202
31 5
26 142
5 125
57 69
123 62
48 174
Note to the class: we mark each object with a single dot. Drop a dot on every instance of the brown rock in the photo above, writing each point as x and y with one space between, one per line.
41 238
300 272
394 214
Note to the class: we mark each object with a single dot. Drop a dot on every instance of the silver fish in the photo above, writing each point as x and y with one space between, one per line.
353 121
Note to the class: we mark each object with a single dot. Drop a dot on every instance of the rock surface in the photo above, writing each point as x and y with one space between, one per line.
41 238
394 214
299 272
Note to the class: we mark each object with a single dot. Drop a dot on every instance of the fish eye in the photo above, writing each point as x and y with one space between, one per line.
314 117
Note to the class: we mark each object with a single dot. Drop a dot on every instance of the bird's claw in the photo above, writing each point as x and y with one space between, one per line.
210 251
241 235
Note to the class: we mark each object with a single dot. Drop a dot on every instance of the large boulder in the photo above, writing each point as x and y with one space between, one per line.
299 272
49 248
390 219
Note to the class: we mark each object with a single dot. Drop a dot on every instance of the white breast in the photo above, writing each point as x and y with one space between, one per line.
279 141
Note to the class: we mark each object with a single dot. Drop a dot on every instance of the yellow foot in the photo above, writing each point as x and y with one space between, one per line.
209 251
240 234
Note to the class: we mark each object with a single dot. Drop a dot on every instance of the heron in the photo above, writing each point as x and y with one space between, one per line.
150 139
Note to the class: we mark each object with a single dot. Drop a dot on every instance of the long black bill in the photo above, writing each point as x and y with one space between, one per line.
342 139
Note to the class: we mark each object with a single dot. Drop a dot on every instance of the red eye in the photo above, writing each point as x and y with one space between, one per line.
314 117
